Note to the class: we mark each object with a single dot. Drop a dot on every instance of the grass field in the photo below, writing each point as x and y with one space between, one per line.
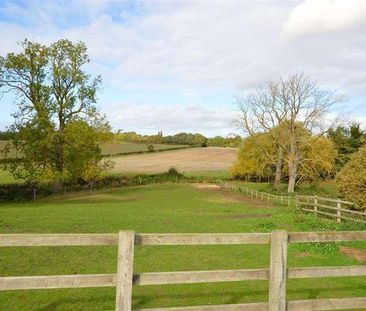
188 160
163 208
117 148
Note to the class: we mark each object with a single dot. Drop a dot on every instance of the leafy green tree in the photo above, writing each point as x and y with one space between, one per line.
53 94
347 141
351 180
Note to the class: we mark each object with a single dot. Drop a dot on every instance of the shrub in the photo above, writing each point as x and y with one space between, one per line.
173 172
351 179
150 147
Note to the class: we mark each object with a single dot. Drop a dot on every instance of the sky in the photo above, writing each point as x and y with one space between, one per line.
177 65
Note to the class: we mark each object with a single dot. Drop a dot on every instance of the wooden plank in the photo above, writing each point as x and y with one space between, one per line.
57 281
326 236
278 271
334 215
57 239
321 272
202 238
126 241
306 197
185 277
257 306
178 277
327 304
333 208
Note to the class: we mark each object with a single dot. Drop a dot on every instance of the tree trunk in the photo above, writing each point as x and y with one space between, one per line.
59 157
278 174
292 176
292 163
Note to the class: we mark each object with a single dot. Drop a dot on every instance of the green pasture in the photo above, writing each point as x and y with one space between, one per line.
165 208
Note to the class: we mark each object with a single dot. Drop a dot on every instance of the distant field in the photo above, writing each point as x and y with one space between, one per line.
117 148
187 160
114 148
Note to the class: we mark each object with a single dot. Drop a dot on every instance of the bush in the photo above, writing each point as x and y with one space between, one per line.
351 179
150 147
173 172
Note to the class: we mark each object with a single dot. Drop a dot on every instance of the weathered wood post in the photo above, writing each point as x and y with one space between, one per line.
278 271
339 213
315 205
126 241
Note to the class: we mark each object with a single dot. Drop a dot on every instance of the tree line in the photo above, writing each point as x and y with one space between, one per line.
189 139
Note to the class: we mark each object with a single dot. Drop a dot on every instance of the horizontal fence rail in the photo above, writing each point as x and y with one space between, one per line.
254 194
332 208
124 279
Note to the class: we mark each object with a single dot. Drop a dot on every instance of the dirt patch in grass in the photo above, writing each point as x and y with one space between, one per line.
353 253
243 216
228 196
206 186
97 197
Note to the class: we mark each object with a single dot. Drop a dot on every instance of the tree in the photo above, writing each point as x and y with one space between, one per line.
293 103
260 112
309 104
53 94
257 156
351 180
347 141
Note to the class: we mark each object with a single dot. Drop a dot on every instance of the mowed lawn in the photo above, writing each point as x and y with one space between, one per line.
163 208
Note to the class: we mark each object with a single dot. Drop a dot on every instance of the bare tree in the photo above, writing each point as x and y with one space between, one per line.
284 108
261 112
307 105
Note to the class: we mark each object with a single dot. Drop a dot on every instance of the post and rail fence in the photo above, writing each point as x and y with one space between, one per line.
327 207
332 208
255 194
124 279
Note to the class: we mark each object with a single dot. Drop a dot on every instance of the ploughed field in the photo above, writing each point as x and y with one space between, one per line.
166 208
186 160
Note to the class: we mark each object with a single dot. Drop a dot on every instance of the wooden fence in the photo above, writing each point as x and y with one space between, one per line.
124 279
334 208
254 194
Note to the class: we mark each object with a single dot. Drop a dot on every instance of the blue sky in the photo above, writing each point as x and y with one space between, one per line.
176 65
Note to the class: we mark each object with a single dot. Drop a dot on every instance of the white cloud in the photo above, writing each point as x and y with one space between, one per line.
197 48
324 16
171 119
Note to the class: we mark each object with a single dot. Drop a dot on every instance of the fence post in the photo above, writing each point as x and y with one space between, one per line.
278 271
339 205
126 241
34 194
315 205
